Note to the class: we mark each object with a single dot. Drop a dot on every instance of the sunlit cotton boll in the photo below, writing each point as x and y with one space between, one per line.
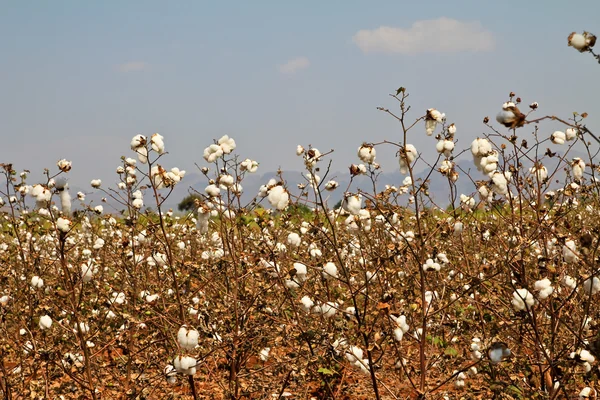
587 393
187 337
63 224
185 365
45 322
328 309
278 198
408 155
212 153
367 153
569 251
540 172
95 183
571 133
445 147
293 239
330 271
352 203
432 118
544 288
249 165
577 168
157 142
591 286
431 265
558 137
306 303
498 352
522 299
499 183
227 144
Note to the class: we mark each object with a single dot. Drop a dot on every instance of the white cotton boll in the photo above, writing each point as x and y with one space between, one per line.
137 204
98 209
544 287
300 272
293 239
458 228
498 352
264 354
480 147
569 252
430 125
82 327
278 198
227 144
587 392
577 167
569 282
212 153
87 271
142 153
187 337
367 153
522 299
95 183
445 147
558 137
499 183
65 201
430 265
328 309
577 40
571 133
212 190
591 286
4 300
330 271
352 203
226 180
249 165
36 282
185 365
540 172
307 303
407 181
331 185
63 224
408 155
45 322
299 150
398 334
157 142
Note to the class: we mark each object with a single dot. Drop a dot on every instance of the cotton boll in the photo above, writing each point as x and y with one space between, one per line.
569 252
293 239
157 143
212 153
587 393
591 286
187 338
307 303
498 352
558 137
571 133
408 154
300 272
330 271
331 185
569 282
430 265
540 172
63 224
544 287
212 190
227 144
249 165
577 168
352 203
36 282
278 197
328 309
185 365
95 184
367 153
45 322
522 299
499 183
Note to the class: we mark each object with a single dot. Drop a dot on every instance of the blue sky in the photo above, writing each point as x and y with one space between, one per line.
81 78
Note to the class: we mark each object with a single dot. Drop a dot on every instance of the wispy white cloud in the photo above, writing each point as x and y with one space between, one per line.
132 66
294 65
442 35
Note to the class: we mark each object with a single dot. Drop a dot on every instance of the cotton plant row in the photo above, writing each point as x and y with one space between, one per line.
413 276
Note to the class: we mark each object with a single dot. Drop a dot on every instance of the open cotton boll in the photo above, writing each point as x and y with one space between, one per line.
571 133
540 172
212 153
558 137
227 144
249 165
569 251
293 239
45 322
328 309
591 286
445 147
577 168
352 203
187 337
300 271
330 271
408 155
278 198
431 265
158 145
306 303
367 153
185 365
498 352
544 288
522 299
63 224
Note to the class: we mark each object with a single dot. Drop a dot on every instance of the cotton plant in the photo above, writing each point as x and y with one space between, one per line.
432 118
408 155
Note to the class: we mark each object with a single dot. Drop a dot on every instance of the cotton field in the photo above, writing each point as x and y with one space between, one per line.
390 294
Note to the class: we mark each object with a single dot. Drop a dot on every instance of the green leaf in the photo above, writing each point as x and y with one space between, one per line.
325 371
451 351
401 89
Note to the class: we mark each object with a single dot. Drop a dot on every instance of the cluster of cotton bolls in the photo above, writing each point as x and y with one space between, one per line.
276 194
522 299
544 288
484 156
560 137
367 153
225 145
